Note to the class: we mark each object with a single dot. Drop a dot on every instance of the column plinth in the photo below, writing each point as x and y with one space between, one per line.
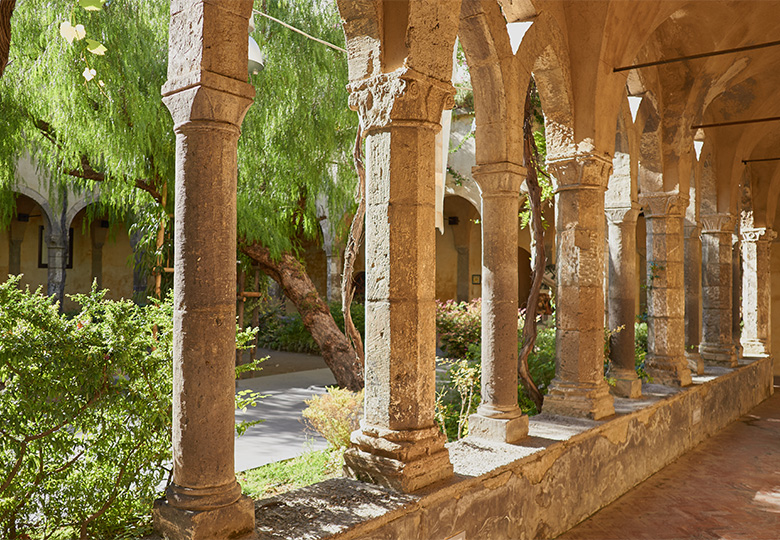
621 223
666 362
717 346
498 417
579 388
399 444
208 96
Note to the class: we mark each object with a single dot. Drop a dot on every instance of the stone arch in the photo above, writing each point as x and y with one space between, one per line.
622 187
41 201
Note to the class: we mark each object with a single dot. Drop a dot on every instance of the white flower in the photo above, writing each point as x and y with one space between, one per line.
89 74
70 32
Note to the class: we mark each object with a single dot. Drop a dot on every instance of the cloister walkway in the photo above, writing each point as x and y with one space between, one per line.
727 488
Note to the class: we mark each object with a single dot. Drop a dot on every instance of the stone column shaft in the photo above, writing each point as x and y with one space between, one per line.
464 279
717 346
207 95
579 388
57 248
736 296
498 417
692 245
16 237
621 223
99 234
399 444
757 291
666 361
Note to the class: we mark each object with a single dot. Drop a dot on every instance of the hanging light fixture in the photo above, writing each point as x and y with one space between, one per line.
256 57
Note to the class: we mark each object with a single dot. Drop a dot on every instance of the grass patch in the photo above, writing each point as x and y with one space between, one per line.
283 476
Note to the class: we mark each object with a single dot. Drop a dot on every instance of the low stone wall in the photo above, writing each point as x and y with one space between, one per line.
565 471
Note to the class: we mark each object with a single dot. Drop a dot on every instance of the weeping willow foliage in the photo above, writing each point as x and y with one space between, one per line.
295 139
115 121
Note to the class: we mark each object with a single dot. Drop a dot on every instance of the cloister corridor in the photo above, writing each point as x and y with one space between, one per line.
727 488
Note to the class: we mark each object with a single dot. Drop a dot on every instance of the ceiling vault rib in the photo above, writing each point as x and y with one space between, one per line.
700 55
737 122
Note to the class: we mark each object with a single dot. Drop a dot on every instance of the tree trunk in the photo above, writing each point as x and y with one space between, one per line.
535 202
6 10
353 245
291 275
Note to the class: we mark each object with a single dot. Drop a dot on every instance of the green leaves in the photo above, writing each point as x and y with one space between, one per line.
92 5
95 47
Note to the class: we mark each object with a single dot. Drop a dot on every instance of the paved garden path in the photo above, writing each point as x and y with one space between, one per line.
727 488
288 379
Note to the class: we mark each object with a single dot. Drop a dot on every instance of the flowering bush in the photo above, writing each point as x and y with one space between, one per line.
334 415
459 324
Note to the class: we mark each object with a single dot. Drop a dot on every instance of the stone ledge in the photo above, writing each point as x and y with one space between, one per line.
567 469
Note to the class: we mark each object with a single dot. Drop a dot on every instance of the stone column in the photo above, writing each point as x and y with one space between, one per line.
16 237
498 417
621 223
57 244
399 444
464 278
692 245
579 388
716 252
757 291
99 233
666 361
736 296
208 96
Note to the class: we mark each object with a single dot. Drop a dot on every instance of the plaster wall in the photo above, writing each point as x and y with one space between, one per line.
565 471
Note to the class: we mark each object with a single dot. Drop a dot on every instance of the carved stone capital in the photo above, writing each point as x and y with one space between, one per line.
580 171
755 235
398 97
622 214
663 204
717 223
499 178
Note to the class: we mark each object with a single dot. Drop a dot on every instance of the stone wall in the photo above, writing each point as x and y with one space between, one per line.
565 471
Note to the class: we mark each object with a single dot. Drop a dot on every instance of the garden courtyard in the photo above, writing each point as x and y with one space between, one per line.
530 243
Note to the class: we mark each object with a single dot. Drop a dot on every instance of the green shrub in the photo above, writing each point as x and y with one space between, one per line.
85 413
287 333
640 350
458 325
334 415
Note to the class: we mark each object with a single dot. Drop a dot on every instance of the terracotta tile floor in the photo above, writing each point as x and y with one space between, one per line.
727 488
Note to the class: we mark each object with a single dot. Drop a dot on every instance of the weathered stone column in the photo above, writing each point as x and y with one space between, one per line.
736 296
621 223
757 291
692 245
464 280
717 346
16 237
399 444
579 388
498 417
208 96
666 361
99 234
57 244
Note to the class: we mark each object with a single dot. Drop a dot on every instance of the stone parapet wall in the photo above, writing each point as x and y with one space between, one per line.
565 471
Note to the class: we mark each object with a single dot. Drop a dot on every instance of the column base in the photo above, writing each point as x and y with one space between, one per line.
695 362
403 460
668 370
578 399
626 383
755 348
718 354
505 430
234 522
